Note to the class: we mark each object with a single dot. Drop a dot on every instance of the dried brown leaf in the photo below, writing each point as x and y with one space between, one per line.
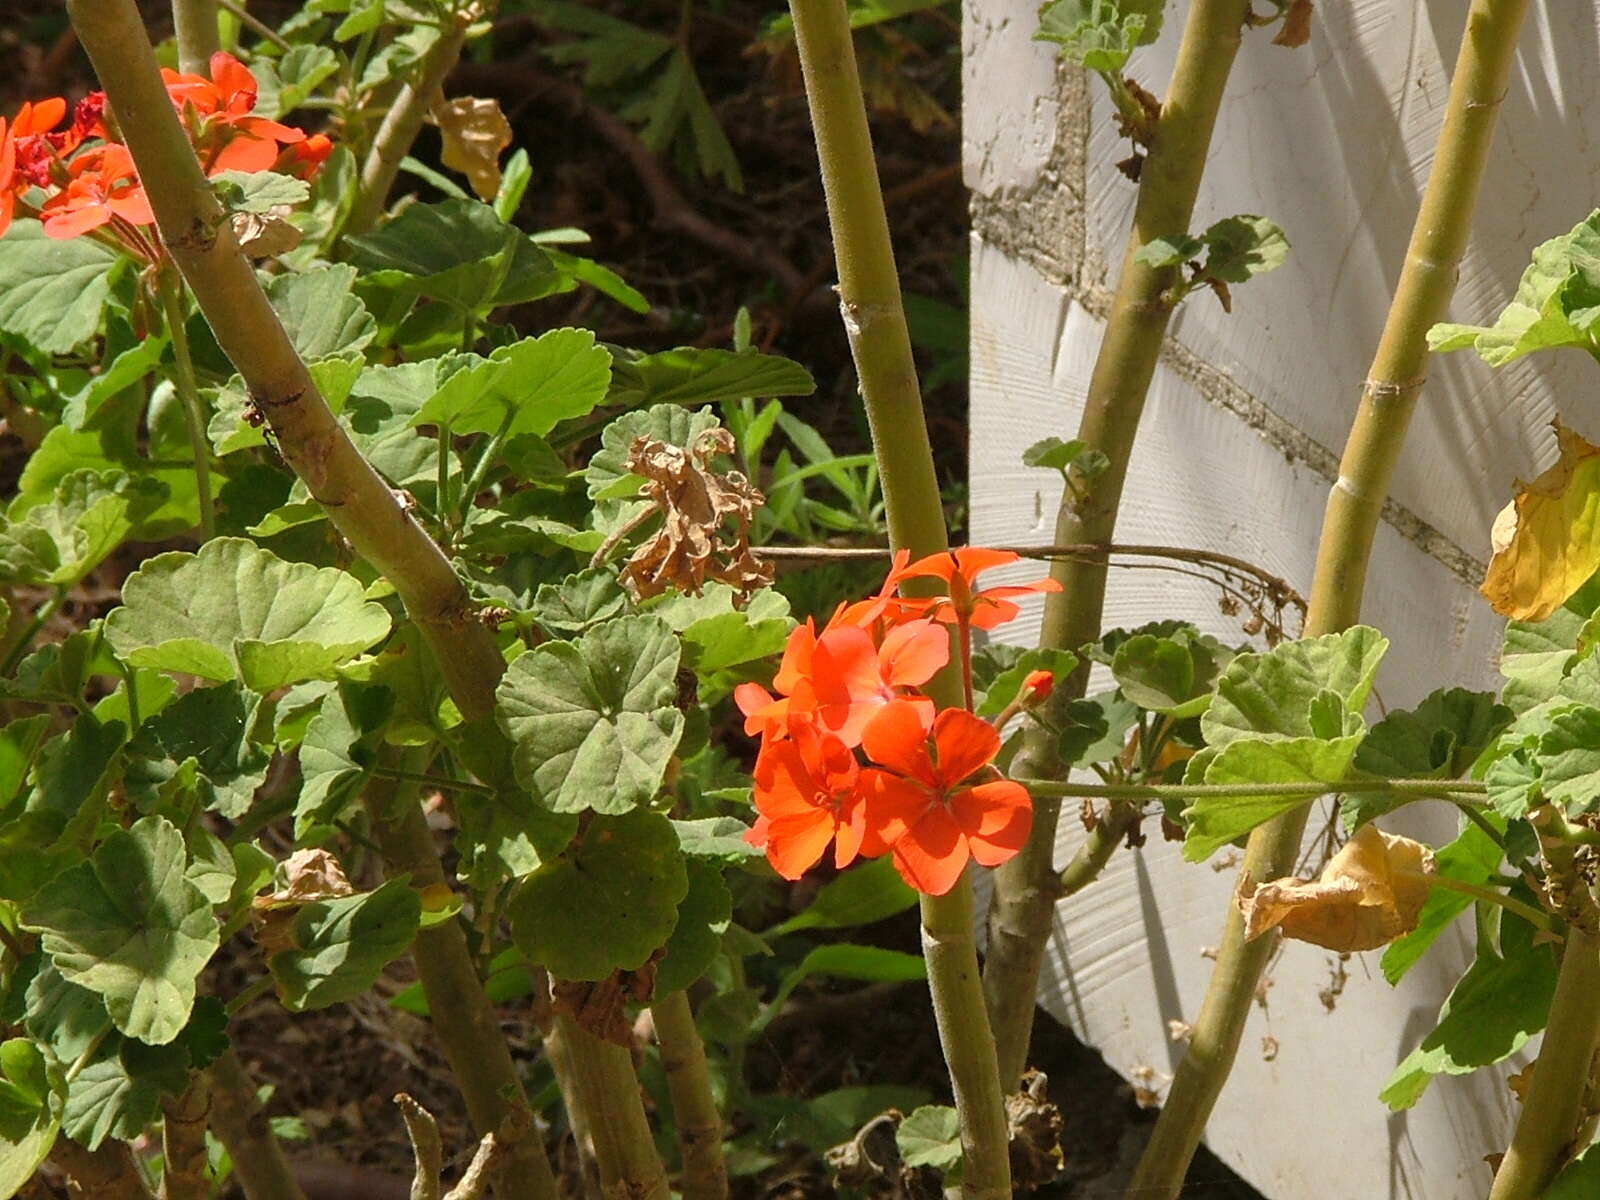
475 133
695 503
1296 29
1547 540
308 876
1369 894
265 235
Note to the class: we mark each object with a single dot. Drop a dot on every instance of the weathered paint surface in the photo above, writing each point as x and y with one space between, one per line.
1239 446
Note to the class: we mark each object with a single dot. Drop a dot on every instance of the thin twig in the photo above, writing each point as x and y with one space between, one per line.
427 1150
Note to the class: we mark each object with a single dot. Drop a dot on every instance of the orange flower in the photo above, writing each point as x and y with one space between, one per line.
219 112
922 805
887 607
1036 687
807 794
841 678
304 159
102 186
963 603
8 171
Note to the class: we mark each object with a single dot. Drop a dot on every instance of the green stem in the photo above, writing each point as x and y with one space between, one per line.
1355 505
195 24
1022 911
608 1093
1430 788
464 1019
694 1109
41 615
1553 1107
194 415
438 783
480 471
875 325
1536 917
402 123
1098 846
238 1120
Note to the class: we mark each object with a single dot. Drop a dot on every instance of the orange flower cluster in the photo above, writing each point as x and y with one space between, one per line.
926 792
88 179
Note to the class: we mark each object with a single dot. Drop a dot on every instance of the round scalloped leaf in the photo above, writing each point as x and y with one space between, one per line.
1270 695
130 926
703 918
593 719
236 611
605 903
30 1112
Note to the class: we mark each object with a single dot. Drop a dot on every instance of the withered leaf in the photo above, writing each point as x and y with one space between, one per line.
1547 540
1369 894
265 235
308 876
475 134
1296 29
695 502
600 1006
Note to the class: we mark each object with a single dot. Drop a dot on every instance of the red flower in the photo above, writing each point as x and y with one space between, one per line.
103 185
963 603
1036 687
219 112
921 806
841 679
8 171
304 159
887 607
807 794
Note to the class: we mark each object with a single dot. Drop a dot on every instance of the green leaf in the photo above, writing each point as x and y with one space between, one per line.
1100 34
284 84
1440 738
211 727
71 778
341 945
930 1137
1474 857
718 634
131 927
605 903
321 313
607 474
1569 760
52 290
703 917
259 191
1074 457
533 384
63 1016
718 838
339 750
1269 695
19 743
1537 655
1217 820
118 1094
1172 675
594 721
688 375
866 893
1555 304
236 611
31 1096
128 367
578 601
844 960
1242 246
90 515
1579 1179
1169 251
1501 1001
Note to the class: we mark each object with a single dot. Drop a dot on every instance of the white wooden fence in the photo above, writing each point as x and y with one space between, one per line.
1239 445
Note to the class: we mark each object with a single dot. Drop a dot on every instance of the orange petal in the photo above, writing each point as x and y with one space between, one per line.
795 845
897 738
913 653
963 744
933 853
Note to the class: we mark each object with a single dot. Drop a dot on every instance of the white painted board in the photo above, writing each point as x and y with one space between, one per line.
1238 447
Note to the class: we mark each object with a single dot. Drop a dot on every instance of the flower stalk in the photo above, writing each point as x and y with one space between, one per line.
874 320
194 416
694 1109
1026 888
1355 504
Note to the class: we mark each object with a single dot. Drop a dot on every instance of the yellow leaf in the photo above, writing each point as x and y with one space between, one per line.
1369 894
475 132
1547 541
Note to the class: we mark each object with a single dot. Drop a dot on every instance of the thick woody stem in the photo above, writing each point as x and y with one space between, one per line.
1027 887
195 24
108 1173
607 1090
875 323
183 1143
402 123
694 1110
241 1125
1355 504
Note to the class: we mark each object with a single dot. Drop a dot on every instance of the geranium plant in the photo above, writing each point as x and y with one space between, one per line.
456 643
